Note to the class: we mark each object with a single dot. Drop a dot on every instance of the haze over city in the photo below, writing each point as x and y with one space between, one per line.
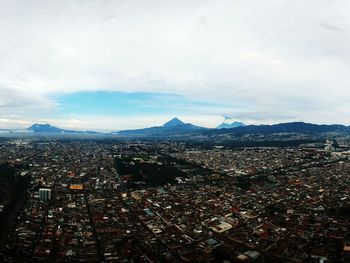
130 64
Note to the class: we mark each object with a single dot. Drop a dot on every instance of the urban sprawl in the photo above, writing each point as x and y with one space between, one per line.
136 201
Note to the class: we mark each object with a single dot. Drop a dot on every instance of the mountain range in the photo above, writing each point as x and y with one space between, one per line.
226 125
176 127
47 128
172 127
291 127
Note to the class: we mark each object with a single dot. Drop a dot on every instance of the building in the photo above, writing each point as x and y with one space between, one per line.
76 187
44 194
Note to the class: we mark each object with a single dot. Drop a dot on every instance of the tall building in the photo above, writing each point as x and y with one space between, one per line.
44 194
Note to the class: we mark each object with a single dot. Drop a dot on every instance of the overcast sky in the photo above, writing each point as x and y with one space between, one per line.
254 61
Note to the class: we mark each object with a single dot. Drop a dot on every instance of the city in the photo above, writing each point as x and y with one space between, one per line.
138 201
174 131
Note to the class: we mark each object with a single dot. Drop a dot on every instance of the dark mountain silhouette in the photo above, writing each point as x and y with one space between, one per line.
226 125
292 127
47 128
172 127
37 127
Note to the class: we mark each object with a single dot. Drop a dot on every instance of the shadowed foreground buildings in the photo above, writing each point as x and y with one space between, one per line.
207 205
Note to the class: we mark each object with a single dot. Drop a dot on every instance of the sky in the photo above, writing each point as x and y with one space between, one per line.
111 65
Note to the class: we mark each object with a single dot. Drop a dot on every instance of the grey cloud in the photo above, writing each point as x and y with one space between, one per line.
331 27
262 56
19 102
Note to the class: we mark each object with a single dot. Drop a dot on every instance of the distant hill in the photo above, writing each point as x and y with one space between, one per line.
37 127
172 127
177 127
292 127
47 128
226 125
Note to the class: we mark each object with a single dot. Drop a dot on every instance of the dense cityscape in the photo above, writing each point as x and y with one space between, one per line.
174 131
147 201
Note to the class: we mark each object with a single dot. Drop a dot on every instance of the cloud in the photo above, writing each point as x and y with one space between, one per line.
331 27
16 101
289 57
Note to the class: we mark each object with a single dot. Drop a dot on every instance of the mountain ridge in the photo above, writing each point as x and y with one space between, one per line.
176 127
289 127
171 127
44 127
226 125
48 128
